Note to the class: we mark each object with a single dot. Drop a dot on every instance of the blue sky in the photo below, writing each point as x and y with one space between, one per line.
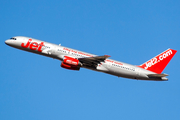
36 87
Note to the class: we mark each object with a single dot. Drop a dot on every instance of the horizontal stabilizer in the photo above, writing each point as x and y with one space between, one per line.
157 75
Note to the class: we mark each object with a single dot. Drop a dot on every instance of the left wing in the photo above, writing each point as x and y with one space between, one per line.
93 61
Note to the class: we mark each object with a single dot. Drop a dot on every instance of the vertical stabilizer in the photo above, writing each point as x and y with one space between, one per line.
158 63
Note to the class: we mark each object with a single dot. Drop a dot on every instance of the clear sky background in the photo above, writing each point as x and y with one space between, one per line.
34 87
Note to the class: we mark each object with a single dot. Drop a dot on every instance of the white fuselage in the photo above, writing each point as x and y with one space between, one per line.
109 66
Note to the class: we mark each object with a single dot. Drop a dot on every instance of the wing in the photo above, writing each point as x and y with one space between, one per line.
93 61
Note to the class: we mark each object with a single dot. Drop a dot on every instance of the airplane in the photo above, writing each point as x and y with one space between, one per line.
74 59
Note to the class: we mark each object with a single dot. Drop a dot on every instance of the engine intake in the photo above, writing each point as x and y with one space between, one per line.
70 63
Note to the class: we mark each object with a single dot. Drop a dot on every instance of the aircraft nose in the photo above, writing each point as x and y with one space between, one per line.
7 42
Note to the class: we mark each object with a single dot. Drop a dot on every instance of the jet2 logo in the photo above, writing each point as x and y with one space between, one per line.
33 45
158 59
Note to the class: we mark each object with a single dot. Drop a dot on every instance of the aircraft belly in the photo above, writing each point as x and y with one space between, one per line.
122 73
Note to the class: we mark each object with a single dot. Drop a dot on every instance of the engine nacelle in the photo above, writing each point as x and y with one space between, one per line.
70 67
70 63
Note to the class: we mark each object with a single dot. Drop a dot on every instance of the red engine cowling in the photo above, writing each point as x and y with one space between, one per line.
70 63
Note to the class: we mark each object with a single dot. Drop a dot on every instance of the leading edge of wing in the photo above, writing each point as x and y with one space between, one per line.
94 60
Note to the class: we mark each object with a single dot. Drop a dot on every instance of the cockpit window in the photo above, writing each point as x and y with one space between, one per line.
13 38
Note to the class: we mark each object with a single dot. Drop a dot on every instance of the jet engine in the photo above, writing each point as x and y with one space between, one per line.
71 63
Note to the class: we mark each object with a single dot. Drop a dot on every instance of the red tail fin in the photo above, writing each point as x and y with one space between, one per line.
158 63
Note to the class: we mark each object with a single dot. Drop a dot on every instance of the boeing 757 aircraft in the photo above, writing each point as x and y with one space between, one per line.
74 59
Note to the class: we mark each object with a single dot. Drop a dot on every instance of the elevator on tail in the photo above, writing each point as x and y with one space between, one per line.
74 59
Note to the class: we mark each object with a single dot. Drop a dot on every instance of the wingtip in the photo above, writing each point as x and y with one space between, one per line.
107 55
